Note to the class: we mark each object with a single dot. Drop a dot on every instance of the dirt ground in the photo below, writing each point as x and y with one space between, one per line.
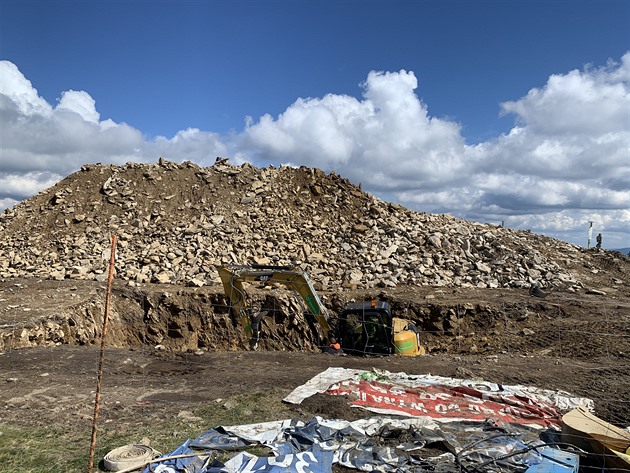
44 386
579 343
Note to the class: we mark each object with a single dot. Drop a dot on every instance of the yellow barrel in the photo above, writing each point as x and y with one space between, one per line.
406 343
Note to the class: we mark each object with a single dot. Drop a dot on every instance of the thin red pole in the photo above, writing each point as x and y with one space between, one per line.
101 354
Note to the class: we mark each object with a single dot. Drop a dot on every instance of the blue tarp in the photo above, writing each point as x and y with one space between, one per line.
367 445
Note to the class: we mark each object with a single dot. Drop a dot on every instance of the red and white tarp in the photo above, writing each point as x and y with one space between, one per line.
441 399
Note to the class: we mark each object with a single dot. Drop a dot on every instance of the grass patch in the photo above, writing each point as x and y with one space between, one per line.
55 450
43 449
247 408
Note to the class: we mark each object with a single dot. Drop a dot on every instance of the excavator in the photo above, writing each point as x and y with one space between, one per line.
249 315
363 328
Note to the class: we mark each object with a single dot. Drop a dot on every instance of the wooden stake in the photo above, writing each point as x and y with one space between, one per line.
101 354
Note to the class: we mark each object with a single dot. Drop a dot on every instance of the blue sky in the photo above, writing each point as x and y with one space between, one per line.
406 97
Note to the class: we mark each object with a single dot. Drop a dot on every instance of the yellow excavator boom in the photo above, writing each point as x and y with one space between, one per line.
233 277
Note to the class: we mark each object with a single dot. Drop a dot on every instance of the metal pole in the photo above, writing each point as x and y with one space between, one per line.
97 399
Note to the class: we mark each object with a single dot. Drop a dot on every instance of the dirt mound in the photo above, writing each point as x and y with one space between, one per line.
175 222
463 283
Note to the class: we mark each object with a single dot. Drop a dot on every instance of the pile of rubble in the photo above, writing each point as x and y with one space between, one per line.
176 221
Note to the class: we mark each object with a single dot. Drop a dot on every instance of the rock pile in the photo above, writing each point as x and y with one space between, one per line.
176 221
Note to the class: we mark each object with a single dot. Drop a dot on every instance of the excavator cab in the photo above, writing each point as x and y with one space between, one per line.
369 328
366 328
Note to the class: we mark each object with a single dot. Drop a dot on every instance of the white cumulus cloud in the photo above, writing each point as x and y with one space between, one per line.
568 152
590 102
387 140
19 95
81 103
40 144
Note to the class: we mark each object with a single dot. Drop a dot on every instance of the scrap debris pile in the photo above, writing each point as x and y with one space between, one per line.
425 423
175 221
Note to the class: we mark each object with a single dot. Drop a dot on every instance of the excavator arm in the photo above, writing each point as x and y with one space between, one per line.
233 277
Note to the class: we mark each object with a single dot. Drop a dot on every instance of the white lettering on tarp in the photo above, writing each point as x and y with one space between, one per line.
397 390
419 406
391 401
481 409
448 408
283 461
303 466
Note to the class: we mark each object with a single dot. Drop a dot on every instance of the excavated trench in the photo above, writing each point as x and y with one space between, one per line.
183 319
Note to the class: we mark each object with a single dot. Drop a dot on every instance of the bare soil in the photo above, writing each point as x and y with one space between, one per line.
571 342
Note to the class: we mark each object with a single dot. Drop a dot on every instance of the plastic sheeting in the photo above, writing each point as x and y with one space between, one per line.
440 398
452 425
380 443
